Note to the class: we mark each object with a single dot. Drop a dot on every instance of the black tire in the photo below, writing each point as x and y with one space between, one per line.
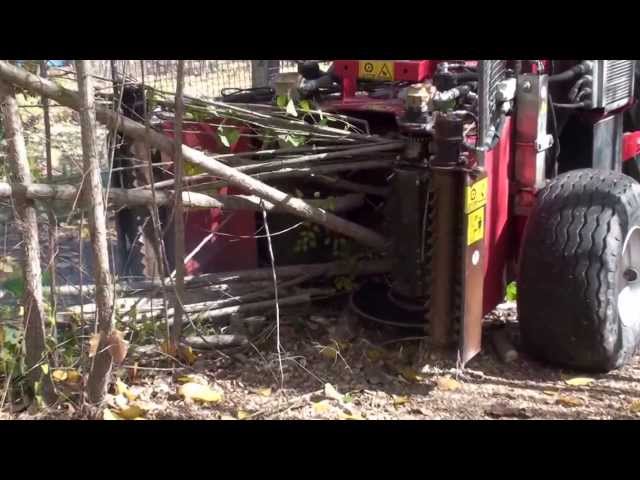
579 285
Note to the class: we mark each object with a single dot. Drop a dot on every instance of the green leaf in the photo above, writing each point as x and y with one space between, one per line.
295 141
291 109
15 285
512 292
305 105
46 278
281 101
228 136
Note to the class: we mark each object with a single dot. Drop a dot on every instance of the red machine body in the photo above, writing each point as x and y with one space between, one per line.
502 231
630 145
226 250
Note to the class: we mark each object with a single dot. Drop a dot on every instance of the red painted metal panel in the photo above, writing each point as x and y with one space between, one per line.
497 228
412 70
221 253
630 145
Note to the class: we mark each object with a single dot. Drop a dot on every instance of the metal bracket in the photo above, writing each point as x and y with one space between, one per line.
532 139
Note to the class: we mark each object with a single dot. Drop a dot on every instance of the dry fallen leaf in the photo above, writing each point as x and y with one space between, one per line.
409 374
264 392
120 401
199 392
350 416
168 348
331 393
570 401
133 372
59 375
579 381
400 400
118 346
6 265
635 406
321 407
94 341
447 383
73 376
132 412
340 345
192 378
122 389
329 352
503 410
109 415
241 415
549 392
185 353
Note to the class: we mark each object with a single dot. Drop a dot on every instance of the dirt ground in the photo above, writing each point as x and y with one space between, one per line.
338 368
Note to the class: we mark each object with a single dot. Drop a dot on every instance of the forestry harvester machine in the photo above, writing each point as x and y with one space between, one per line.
520 170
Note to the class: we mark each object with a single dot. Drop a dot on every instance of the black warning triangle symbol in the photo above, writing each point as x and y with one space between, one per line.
384 71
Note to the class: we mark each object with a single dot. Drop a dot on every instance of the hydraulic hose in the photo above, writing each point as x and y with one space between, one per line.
556 136
573 93
583 94
572 105
498 133
580 69
247 95
452 94
311 86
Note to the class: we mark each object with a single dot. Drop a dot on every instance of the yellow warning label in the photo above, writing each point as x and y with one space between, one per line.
475 226
376 70
476 196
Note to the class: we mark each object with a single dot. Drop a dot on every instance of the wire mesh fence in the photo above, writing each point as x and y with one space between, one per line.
202 78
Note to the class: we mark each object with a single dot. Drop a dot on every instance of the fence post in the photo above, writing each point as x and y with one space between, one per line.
263 72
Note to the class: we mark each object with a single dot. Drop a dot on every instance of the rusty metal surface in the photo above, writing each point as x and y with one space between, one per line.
447 191
472 278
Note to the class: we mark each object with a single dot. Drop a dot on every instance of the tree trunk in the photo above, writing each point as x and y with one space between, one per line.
52 226
26 218
135 130
178 211
362 268
93 196
126 197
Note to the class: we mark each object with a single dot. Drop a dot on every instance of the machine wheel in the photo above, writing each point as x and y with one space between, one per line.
579 286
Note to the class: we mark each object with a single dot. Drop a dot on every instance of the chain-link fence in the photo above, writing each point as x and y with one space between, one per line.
203 78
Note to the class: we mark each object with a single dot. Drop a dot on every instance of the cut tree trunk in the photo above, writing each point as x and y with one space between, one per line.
93 197
136 131
26 218
126 197
311 270
216 341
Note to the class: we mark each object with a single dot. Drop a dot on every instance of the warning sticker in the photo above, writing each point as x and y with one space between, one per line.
376 70
476 196
475 226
